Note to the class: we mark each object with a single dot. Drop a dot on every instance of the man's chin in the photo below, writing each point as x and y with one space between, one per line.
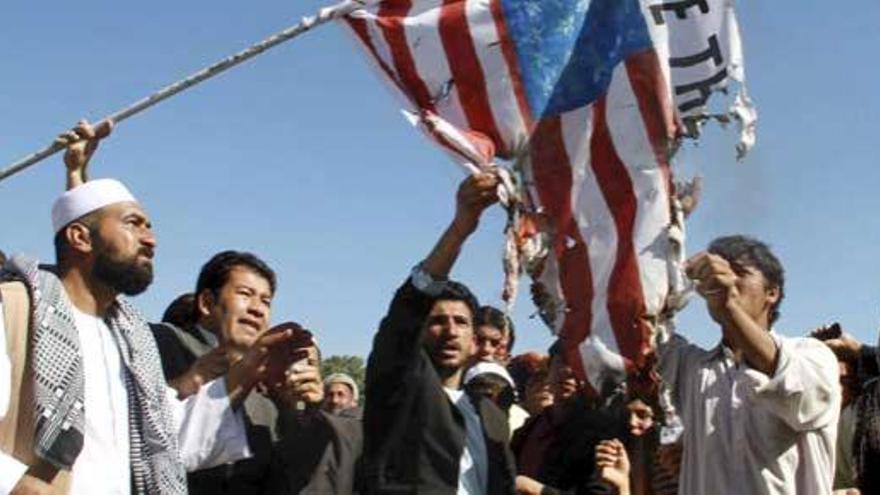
448 365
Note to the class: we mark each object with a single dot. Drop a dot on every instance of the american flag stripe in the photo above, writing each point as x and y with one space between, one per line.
552 173
381 56
500 88
652 92
432 64
596 222
624 287
508 53
638 137
466 72
390 20
372 37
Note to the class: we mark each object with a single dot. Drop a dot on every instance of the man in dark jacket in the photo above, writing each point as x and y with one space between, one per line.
422 434
319 450
295 450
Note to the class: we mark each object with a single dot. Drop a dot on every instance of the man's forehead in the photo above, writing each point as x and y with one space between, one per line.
451 306
340 386
247 276
490 331
125 208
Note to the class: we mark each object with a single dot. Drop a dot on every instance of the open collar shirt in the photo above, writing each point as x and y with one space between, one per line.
210 432
747 432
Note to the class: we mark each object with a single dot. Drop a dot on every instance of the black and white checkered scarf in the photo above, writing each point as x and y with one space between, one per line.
59 407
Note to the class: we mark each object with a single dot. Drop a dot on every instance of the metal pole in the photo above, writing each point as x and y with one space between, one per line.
323 16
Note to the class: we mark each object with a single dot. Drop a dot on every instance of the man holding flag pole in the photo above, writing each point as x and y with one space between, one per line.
85 408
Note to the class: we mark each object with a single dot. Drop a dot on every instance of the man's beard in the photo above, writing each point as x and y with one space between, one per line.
123 276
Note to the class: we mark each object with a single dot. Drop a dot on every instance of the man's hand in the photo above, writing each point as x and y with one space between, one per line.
475 194
252 367
613 464
303 383
81 143
844 345
36 480
528 486
208 367
716 280
31 485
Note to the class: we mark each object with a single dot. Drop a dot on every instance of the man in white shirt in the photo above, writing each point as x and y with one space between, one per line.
102 412
760 410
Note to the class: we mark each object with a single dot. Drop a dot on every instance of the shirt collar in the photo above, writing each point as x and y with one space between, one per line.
208 337
721 351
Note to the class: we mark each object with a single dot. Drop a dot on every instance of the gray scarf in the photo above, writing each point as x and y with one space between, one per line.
57 366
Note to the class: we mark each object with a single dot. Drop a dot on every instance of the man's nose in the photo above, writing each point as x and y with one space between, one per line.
149 239
258 309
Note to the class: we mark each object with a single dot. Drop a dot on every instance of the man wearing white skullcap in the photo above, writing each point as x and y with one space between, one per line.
89 411
87 198
340 393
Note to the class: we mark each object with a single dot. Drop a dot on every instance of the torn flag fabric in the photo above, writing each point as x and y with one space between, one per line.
588 100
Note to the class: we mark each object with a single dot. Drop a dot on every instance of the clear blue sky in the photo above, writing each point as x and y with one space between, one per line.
302 157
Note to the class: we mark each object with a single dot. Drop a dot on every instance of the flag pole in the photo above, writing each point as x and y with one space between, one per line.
323 16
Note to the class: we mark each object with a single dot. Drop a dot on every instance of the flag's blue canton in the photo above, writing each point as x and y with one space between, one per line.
567 49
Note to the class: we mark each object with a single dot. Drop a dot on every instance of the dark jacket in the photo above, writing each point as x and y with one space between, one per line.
569 433
413 435
321 451
866 439
292 452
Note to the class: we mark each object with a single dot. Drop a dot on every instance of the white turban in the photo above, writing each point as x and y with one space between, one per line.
345 380
86 198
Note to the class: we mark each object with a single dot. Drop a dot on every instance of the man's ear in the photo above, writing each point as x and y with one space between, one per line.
205 303
79 238
772 296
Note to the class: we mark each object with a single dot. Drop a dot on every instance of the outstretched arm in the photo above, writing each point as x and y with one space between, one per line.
81 143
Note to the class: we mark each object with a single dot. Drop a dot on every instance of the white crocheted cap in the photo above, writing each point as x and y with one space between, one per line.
484 367
86 198
345 380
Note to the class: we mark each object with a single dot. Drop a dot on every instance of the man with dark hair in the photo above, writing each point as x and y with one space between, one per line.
231 308
180 312
294 450
495 335
85 409
759 410
423 434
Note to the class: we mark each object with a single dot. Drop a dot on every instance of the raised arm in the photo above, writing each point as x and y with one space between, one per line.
397 344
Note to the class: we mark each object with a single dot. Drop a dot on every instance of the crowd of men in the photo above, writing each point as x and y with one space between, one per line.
218 399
